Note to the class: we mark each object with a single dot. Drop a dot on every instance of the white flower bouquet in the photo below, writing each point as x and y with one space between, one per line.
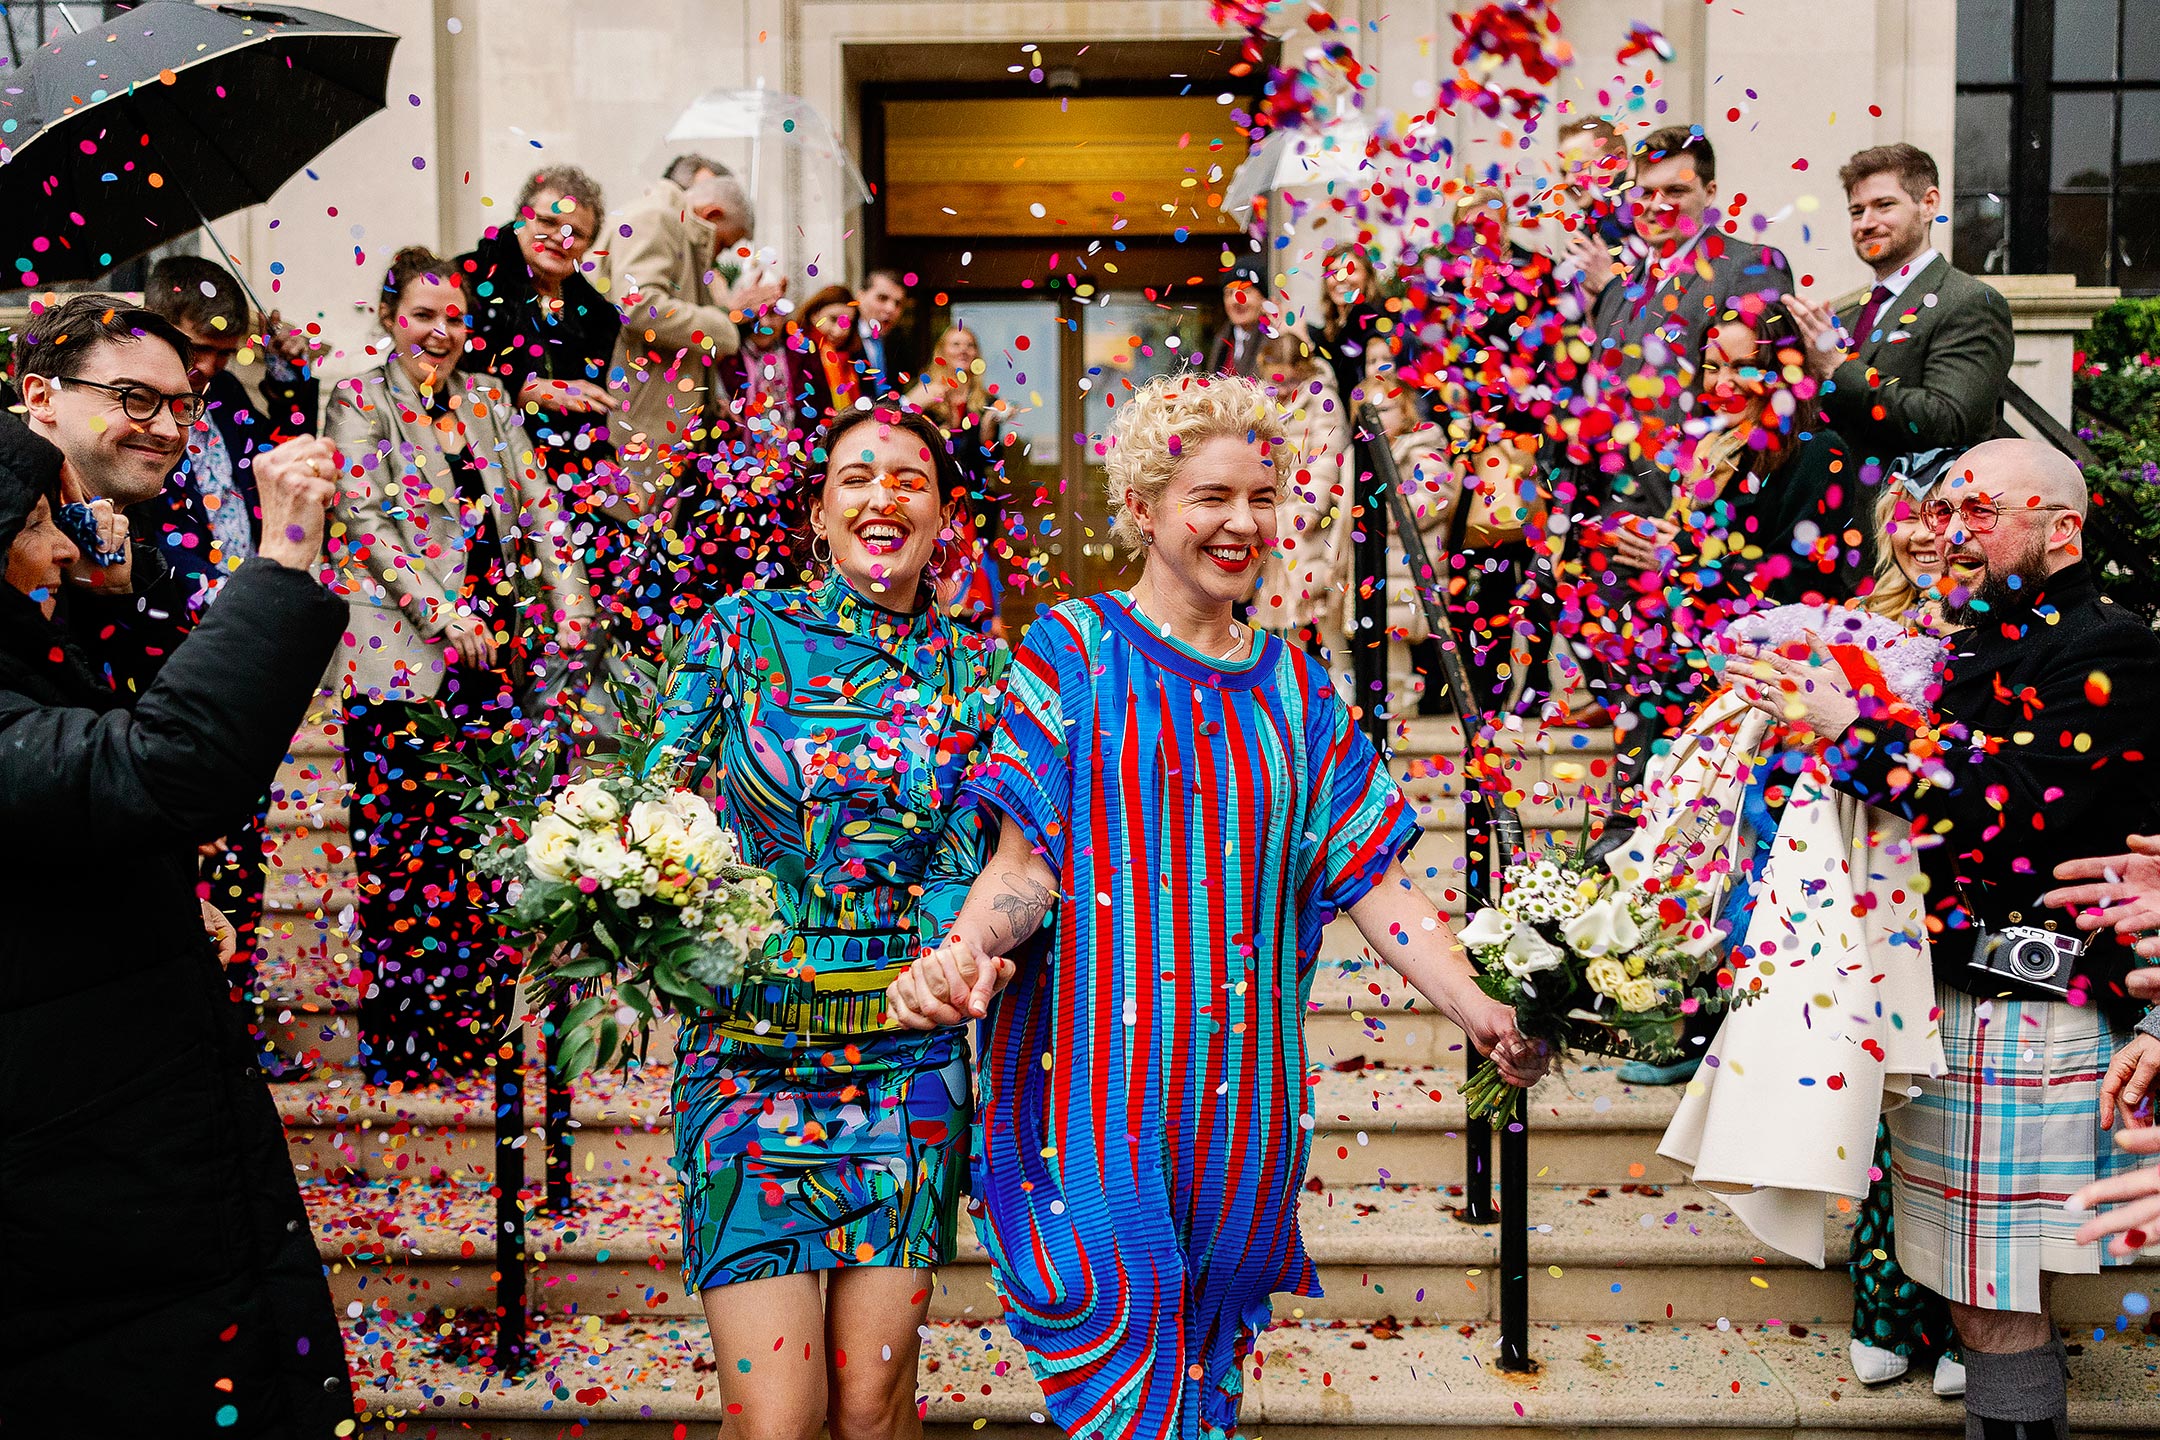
1590 965
635 899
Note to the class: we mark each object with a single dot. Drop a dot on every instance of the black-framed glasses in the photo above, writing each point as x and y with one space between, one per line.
1979 514
141 404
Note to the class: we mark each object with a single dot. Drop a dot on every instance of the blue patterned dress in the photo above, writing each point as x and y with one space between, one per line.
1142 1119
807 1135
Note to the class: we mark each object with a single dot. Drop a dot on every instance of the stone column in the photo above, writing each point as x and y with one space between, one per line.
2050 312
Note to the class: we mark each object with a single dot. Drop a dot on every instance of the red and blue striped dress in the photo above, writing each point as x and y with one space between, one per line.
1142 1124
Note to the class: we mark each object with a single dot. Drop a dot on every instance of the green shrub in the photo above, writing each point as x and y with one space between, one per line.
2117 395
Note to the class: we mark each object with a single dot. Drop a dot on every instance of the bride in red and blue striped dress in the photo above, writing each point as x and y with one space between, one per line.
1182 802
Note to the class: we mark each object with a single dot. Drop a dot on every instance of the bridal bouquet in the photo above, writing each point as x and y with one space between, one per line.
634 898
1590 964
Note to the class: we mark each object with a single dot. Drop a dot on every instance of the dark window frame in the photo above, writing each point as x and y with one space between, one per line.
2032 89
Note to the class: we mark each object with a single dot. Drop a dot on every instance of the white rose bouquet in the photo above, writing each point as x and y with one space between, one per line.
635 899
1590 965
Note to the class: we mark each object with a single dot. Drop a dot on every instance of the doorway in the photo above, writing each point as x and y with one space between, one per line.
1077 232
1064 365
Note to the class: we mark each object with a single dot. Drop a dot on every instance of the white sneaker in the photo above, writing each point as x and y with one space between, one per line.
1873 1366
1949 1378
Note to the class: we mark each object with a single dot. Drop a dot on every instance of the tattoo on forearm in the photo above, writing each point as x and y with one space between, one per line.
1023 905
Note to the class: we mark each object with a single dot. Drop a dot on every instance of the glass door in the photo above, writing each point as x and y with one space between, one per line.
1021 341
1064 366
1125 341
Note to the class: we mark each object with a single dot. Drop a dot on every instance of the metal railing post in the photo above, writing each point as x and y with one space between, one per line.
556 1134
1507 829
511 1350
1369 647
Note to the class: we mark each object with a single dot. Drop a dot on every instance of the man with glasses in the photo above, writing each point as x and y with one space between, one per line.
2042 749
205 523
109 385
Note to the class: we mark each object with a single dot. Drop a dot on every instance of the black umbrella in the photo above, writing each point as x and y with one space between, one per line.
164 118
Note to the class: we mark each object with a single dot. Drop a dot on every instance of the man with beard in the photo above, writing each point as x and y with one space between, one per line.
2040 750
1918 362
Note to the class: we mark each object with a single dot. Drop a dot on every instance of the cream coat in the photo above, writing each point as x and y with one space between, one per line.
676 326
1783 1113
397 544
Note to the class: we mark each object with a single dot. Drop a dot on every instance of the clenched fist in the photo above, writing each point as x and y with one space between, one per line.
296 481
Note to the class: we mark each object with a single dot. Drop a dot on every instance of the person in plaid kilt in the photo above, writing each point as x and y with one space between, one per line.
2042 750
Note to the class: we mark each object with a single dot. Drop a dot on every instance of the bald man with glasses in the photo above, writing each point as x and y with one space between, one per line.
2042 749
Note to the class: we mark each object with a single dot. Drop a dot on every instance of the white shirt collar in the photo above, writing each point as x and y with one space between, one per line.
1904 275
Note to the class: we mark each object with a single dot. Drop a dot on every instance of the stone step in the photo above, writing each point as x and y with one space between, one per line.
645 1376
1633 1252
1373 1126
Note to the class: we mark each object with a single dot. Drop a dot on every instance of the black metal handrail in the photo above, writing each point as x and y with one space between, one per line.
1381 503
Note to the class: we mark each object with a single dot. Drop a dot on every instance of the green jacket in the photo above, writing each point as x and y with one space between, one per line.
1931 371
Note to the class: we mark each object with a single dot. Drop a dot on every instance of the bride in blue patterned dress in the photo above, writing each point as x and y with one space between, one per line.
836 723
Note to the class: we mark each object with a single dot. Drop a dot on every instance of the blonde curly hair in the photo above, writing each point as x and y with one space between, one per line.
1168 418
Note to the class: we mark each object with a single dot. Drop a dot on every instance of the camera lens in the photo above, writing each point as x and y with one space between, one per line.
2034 960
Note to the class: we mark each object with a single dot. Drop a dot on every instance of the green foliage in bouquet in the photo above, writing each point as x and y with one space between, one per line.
634 900
1590 965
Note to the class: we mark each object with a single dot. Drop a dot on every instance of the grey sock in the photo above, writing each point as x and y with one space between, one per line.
2020 1396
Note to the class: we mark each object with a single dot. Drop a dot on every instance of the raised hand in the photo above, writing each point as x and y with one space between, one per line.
2135 1220
296 483
2126 898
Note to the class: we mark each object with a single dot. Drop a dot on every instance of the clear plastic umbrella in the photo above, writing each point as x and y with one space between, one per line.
1334 154
763 115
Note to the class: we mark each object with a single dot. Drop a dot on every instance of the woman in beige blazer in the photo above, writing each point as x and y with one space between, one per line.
467 603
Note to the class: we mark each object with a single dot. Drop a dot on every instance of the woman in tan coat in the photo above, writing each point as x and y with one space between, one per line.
467 603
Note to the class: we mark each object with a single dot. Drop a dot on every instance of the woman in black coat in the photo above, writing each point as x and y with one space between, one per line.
539 326
158 1271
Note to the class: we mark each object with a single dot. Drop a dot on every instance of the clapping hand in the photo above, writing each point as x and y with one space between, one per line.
1812 693
1822 343
950 985
1644 543
577 397
2126 899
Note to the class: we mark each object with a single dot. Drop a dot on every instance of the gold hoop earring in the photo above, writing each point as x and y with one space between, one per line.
815 541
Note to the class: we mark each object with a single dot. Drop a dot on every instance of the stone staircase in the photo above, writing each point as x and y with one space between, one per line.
1658 1313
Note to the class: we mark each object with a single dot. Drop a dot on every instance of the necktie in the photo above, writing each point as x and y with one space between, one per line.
1865 325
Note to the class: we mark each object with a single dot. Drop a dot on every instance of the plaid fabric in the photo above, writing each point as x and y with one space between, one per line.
1983 1158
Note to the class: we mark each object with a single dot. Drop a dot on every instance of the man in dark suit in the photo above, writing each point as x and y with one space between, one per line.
1919 362
1234 349
881 303
207 521
1677 278
1683 275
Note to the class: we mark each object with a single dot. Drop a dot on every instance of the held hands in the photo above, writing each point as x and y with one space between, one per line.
296 483
289 343
950 985
2126 900
1593 262
2136 1197
220 929
1812 693
758 293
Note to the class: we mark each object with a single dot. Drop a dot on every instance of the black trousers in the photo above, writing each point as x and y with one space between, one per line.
439 973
